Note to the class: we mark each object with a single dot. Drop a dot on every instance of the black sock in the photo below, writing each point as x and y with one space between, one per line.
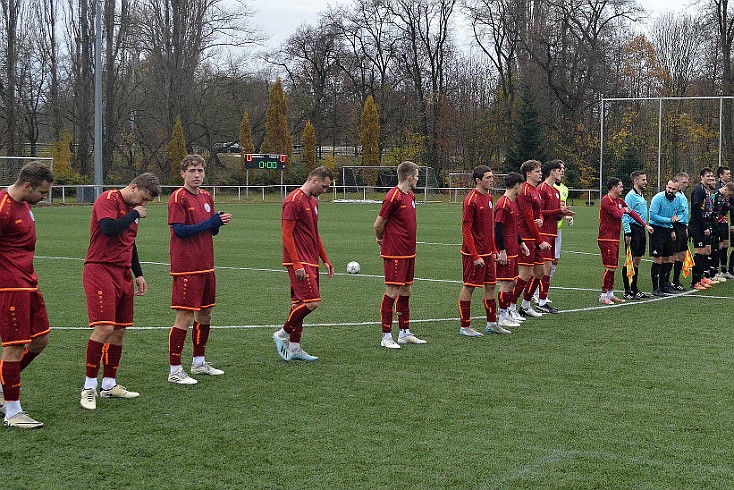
665 276
731 262
633 286
713 259
625 280
722 259
677 268
655 275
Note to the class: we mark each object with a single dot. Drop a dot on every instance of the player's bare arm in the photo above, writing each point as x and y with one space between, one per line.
379 227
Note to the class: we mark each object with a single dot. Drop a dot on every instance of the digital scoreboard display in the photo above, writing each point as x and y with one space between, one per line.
260 161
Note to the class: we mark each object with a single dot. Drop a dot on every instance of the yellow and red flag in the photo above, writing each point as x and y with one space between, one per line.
629 265
688 264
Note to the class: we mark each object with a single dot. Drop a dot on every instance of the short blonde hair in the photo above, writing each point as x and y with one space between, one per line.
406 169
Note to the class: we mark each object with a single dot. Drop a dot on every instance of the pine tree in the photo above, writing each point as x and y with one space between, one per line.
526 140
370 134
308 140
176 148
245 140
277 136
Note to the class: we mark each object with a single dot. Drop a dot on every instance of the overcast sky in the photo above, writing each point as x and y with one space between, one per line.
281 18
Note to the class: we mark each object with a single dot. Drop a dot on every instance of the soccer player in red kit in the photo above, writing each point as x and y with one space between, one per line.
530 220
193 223
478 252
24 323
302 248
509 246
108 283
611 210
395 231
552 212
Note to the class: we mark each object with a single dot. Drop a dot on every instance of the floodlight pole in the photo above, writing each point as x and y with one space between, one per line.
660 138
721 125
98 177
601 147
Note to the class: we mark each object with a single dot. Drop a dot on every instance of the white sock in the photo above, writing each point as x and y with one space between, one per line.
198 361
387 335
11 408
294 346
283 334
553 271
542 302
491 324
603 295
108 383
525 304
610 294
404 332
175 368
90 383
513 307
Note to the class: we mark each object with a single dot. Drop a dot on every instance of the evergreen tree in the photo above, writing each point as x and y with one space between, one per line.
370 134
308 140
277 136
245 140
176 149
526 140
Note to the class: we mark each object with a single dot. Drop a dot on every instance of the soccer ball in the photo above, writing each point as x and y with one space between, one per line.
353 267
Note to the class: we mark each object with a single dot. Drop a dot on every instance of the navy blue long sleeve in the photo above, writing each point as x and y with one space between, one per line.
185 231
114 227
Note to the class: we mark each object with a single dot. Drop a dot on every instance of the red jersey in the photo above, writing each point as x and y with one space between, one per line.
398 239
477 210
303 210
611 211
116 250
550 209
193 254
506 213
528 206
18 235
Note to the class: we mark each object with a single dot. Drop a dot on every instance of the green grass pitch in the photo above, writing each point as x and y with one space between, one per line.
637 396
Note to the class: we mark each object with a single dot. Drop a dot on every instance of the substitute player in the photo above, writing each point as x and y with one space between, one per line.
563 191
108 283
509 246
611 210
24 323
700 228
635 237
193 223
552 211
478 252
395 231
302 248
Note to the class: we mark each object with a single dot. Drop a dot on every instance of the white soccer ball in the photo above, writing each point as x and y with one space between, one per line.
353 267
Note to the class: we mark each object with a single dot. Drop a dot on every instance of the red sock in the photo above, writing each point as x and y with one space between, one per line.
530 288
294 324
200 335
386 309
608 280
490 306
94 357
504 300
544 287
176 339
465 313
402 309
10 372
111 359
28 356
517 290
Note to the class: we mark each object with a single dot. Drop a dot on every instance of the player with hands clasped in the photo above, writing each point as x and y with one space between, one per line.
193 223
108 282
302 248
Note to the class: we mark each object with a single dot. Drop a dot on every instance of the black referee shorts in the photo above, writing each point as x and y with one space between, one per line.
638 240
661 242
680 244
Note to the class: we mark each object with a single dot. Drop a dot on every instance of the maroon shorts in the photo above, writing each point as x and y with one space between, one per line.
507 272
194 292
478 276
550 254
609 254
23 317
109 292
305 290
528 259
399 272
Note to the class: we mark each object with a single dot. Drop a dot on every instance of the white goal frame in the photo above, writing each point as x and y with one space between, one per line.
9 173
424 172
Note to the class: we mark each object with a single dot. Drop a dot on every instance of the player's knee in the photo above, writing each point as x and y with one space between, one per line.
313 305
38 344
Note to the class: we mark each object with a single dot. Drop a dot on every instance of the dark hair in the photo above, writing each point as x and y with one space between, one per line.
35 173
479 172
528 166
320 172
704 171
720 171
613 182
512 179
149 182
550 166
193 159
637 173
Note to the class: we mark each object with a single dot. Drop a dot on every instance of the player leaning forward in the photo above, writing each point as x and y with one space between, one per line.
302 248
24 323
193 223
395 230
108 282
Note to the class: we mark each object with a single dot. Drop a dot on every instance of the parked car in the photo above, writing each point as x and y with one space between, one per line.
230 147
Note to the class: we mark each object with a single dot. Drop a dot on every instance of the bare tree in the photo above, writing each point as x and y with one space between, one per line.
678 42
11 20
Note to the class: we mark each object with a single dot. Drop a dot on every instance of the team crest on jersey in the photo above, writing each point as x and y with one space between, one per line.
207 208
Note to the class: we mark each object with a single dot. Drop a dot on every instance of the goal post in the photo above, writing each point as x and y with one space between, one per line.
10 167
370 183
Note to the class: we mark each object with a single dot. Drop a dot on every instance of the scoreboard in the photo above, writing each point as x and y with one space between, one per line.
261 161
